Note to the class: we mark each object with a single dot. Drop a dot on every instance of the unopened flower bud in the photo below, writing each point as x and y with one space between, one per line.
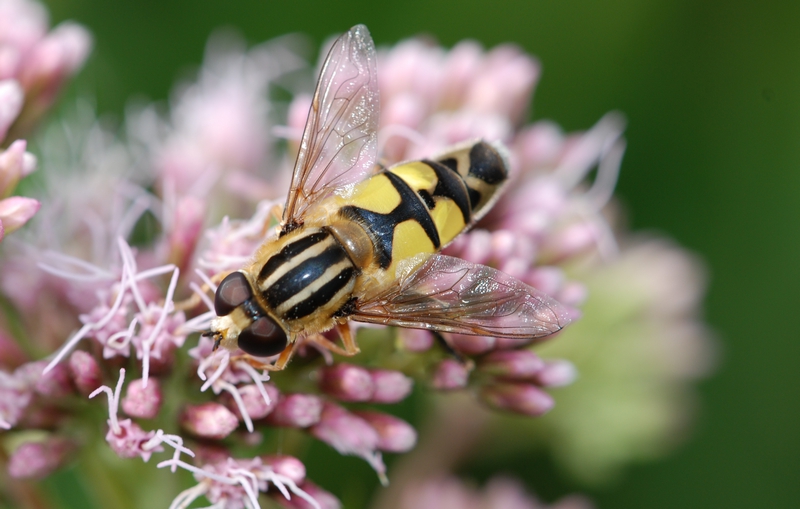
415 340
511 364
572 241
346 432
15 211
395 435
36 460
51 61
288 466
296 411
13 166
572 294
11 100
556 374
254 403
187 227
85 372
346 382
55 383
450 374
142 401
11 355
390 386
471 345
209 420
520 398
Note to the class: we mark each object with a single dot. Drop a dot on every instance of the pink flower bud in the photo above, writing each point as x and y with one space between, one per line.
539 145
16 211
471 345
85 372
254 403
478 248
209 420
395 435
75 42
36 460
11 355
296 411
450 374
520 398
289 466
556 374
415 340
346 432
56 57
512 364
346 382
9 62
572 241
461 68
187 226
140 401
390 386
572 294
11 100
55 383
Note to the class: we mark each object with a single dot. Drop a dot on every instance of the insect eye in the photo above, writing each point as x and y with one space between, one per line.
231 293
263 338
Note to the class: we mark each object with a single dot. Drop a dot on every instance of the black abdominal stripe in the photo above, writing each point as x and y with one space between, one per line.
469 177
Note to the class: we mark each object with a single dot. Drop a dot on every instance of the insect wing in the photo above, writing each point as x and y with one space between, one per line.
339 141
449 294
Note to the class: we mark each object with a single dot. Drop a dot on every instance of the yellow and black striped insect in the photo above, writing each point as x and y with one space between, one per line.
359 245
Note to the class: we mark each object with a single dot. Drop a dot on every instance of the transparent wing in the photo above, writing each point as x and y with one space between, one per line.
339 140
449 294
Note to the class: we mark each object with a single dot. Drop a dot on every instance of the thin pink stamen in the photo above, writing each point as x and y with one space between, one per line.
258 378
225 386
223 365
146 345
113 401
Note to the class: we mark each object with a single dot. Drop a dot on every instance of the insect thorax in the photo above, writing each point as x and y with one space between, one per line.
304 278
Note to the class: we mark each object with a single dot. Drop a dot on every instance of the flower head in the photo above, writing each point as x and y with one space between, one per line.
127 251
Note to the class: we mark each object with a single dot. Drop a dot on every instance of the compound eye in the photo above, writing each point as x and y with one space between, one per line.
231 293
263 338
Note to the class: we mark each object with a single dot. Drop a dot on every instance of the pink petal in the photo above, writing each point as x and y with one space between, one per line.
16 211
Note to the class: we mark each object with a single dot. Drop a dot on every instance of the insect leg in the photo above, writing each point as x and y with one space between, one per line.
348 340
278 365
350 347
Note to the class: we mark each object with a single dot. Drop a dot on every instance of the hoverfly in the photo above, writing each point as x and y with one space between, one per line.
356 244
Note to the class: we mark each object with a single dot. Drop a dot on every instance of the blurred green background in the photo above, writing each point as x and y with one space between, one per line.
711 90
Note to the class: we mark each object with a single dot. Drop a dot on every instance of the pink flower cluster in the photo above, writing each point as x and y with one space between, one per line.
36 61
34 64
121 302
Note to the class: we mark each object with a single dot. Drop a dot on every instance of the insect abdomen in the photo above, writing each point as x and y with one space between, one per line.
419 207
310 274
